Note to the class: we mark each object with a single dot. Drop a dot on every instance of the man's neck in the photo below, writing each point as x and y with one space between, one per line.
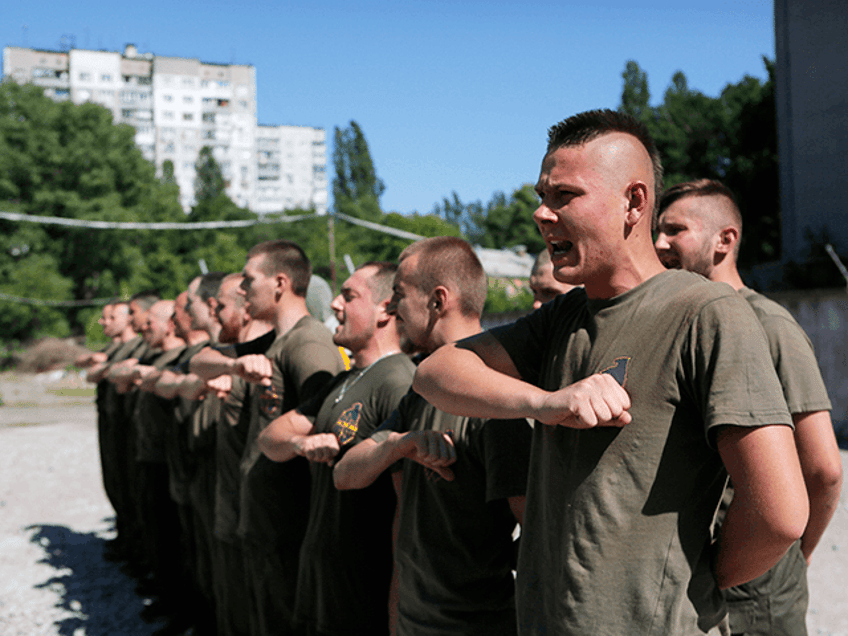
626 274
172 342
289 311
196 336
377 347
727 274
127 335
451 329
254 329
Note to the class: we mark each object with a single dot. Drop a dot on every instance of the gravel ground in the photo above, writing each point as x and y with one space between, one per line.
54 518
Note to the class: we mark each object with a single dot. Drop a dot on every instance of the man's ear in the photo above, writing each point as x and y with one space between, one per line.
382 310
439 299
727 239
281 283
637 202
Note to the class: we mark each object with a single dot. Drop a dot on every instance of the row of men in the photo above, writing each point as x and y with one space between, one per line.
649 387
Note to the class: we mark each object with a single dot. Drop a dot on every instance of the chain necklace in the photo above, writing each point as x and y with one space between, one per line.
349 385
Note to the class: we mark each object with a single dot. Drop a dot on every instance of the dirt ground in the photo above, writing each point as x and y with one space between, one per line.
54 518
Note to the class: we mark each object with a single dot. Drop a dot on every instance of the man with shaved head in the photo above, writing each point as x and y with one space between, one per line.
645 385
699 229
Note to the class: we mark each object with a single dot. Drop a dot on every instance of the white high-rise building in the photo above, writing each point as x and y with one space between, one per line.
179 105
291 164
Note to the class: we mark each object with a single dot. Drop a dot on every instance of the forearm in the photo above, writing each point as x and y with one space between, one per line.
821 464
167 384
770 508
96 373
366 461
281 440
209 363
191 387
458 381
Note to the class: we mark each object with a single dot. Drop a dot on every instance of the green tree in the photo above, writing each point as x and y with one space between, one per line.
356 187
67 160
635 96
208 182
732 137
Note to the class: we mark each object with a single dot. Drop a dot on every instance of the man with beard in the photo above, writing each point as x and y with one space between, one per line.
342 589
462 480
700 229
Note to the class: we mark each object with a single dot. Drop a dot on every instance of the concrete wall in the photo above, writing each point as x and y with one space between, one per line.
823 313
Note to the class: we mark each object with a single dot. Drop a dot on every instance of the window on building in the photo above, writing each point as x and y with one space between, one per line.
85 77
168 114
188 116
243 103
168 98
105 77
187 81
209 118
204 83
208 134
127 113
188 99
169 147
62 93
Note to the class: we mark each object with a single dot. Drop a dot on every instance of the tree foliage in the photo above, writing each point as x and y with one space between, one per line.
732 137
356 187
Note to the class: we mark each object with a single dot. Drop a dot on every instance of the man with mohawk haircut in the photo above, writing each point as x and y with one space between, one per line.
648 386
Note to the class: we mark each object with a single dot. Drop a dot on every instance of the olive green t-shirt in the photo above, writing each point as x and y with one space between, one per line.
154 414
275 496
617 525
346 557
454 553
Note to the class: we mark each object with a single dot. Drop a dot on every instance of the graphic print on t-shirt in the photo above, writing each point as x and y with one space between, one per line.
347 425
618 370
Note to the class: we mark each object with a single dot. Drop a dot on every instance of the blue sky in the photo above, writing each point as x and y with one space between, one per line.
451 95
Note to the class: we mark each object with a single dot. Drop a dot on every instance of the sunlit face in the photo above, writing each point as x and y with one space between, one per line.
229 311
545 287
105 318
259 288
158 324
197 308
356 312
684 241
182 318
119 320
410 307
138 317
581 216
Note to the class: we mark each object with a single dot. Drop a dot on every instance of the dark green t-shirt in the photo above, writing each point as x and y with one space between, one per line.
274 496
617 524
154 415
454 551
231 437
346 557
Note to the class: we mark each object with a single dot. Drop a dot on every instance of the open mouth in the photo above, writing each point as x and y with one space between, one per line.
561 248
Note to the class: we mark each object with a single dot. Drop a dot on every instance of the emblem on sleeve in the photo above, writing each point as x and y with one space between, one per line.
347 425
619 369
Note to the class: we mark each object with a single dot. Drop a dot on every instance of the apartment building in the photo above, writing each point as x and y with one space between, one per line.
179 105
291 167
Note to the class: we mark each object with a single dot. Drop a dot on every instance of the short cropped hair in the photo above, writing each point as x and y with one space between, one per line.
380 282
145 299
582 128
701 188
450 261
209 285
285 257
707 188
